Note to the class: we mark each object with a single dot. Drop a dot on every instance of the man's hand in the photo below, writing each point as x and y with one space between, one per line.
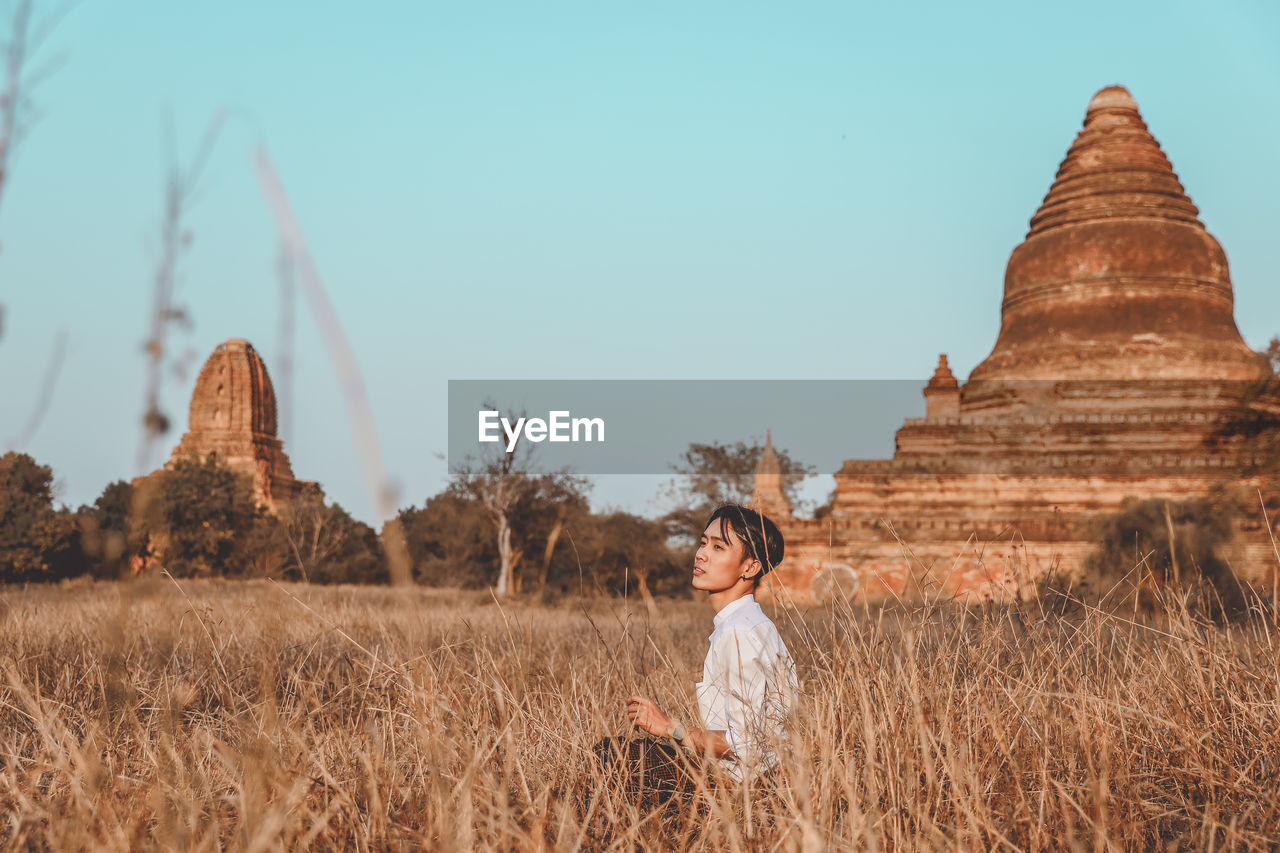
646 714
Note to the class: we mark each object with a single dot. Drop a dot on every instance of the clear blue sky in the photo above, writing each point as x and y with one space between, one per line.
587 190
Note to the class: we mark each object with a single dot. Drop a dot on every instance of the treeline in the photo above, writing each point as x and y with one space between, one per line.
538 536
198 519
556 548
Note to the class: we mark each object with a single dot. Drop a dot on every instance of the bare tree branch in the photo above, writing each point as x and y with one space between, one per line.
42 30
293 244
17 110
12 97
174 241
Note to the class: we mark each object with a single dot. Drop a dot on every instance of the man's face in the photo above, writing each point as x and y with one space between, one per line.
719 563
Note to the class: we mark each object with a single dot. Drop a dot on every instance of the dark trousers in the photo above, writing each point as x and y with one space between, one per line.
653 772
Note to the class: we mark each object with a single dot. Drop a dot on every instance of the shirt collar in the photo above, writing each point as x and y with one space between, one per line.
731 608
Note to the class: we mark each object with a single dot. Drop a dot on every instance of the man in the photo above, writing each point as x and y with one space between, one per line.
748 678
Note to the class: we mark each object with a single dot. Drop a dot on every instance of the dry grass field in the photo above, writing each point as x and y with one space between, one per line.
248 716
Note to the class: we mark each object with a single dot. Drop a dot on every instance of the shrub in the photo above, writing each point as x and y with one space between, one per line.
1156 545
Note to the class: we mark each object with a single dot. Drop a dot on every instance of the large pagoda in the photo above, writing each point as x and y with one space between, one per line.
1116 375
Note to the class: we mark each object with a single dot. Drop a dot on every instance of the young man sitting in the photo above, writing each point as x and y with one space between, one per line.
748 678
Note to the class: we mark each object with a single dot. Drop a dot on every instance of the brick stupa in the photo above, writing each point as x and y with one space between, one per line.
1117 365
233 418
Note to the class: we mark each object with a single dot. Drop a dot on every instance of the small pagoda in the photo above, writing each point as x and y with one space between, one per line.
233 419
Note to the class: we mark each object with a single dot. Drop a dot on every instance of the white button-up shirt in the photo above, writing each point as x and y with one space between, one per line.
748 686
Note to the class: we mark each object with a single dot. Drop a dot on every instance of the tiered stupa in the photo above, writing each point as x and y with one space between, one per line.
1117 365
233 418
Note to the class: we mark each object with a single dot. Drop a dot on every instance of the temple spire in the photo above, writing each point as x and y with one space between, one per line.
1117 277
768 495
1115 169
233 419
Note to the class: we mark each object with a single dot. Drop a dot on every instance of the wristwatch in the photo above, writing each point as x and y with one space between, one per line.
677 734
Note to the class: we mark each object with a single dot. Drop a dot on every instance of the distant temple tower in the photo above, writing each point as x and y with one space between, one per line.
233 418
1118 374
942 394
768 496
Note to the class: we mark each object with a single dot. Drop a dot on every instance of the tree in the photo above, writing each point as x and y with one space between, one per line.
104 531
628 553
524 509
37 543
206 510
326 545
450 542
515 497
713 474
561 507
200 518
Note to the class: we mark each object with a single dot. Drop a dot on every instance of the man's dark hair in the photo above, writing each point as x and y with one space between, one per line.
761 539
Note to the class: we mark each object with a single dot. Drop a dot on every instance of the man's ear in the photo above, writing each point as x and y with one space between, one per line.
752 572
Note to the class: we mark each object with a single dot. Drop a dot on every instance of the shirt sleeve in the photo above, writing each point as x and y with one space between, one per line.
748 667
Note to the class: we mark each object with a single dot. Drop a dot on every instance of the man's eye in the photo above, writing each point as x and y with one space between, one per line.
718 548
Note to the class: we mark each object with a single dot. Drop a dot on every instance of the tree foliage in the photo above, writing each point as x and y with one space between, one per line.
450 539
104 532
629 554
450 542
207 511
712 474
200 519
324 544
37 542
493 521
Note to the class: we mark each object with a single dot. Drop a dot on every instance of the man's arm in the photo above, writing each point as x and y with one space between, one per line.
707 742
647 715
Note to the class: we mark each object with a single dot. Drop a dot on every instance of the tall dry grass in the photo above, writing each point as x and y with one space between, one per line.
138 716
